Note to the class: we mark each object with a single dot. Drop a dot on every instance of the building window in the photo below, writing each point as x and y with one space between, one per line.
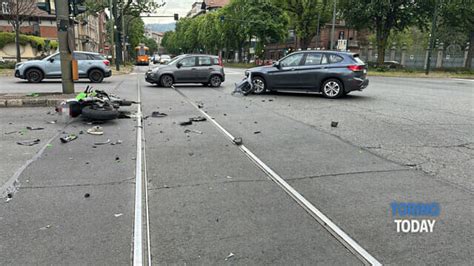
5 8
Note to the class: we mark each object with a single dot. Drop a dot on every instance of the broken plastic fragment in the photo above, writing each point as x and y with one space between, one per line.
257 132
45 227
69 138
34 128
158 114
96 130
102 143
237 141
192 130
118 214
186 123
28 142
116 142
231 255
334 124
87 195
197 119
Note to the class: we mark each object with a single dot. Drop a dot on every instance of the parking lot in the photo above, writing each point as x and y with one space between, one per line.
209 201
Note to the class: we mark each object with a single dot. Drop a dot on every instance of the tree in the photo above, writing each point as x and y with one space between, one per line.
151 44
458 16
304 16
18 12
383 16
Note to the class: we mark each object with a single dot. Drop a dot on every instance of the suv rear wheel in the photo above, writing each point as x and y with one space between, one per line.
332 88
96 76
34 75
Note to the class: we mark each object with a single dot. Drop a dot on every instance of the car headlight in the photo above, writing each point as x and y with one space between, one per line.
18 66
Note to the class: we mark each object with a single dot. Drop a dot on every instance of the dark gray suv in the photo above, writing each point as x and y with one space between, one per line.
331 73
188 68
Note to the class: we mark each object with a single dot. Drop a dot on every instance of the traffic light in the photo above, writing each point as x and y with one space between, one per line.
45 6
77 7
176 17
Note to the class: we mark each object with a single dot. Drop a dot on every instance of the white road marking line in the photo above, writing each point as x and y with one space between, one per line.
137 228
471 80
147 213
329 225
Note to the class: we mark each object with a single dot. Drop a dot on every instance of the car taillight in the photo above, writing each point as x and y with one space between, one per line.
106 62
356 67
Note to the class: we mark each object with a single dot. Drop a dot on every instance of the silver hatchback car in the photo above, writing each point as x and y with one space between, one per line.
188 68
91 65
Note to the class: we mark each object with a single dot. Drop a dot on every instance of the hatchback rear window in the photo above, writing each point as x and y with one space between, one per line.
204 61
358 60
215 60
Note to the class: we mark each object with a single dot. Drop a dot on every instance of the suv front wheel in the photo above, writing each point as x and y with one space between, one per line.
96 76
34 75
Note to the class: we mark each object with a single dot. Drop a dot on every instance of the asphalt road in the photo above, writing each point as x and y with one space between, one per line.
405 140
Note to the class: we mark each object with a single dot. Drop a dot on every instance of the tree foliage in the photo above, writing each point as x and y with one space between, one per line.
383 17
304 16
231 27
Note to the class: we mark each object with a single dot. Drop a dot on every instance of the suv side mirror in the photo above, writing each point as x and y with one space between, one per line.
179 65
51 60
276 64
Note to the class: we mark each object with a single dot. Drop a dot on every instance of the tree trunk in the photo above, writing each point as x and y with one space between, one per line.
17 40
470 52
304 43
381 43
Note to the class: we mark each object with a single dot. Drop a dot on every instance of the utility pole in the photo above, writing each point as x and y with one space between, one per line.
432 37
112 32
65 50
118 45
333 25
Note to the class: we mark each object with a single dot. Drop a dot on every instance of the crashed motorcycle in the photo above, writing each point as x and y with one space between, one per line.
94 105
245 86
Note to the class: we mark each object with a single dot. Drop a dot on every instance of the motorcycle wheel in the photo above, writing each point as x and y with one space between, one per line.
99 113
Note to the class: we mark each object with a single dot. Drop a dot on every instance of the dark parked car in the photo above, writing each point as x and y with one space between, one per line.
332 73
189 68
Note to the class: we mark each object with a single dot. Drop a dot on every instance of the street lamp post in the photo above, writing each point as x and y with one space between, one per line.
432 37
333 25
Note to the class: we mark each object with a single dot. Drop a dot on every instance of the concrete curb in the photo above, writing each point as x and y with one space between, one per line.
43 100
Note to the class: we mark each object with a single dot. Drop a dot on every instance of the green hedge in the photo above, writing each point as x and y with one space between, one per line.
9 37
7 65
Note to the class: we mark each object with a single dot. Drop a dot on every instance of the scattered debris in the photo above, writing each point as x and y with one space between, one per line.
49 145
263 101
34 128
11 132
94 122
158 114
200 105
334 124
192 130
45 227
237 141
9 195
68 138
225 114
118 214
52 122
81 132
116 142
190 153
197 119
257 132
87 195
28 142
117 159
96 130
411 164
270 100
231 255
255 122
102 143
229 177
186 123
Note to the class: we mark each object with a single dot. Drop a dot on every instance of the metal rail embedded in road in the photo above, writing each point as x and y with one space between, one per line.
322 219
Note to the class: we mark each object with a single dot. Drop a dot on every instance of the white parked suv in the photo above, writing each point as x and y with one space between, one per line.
91 65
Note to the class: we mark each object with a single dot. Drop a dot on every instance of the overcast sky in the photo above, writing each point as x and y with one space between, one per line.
171 7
